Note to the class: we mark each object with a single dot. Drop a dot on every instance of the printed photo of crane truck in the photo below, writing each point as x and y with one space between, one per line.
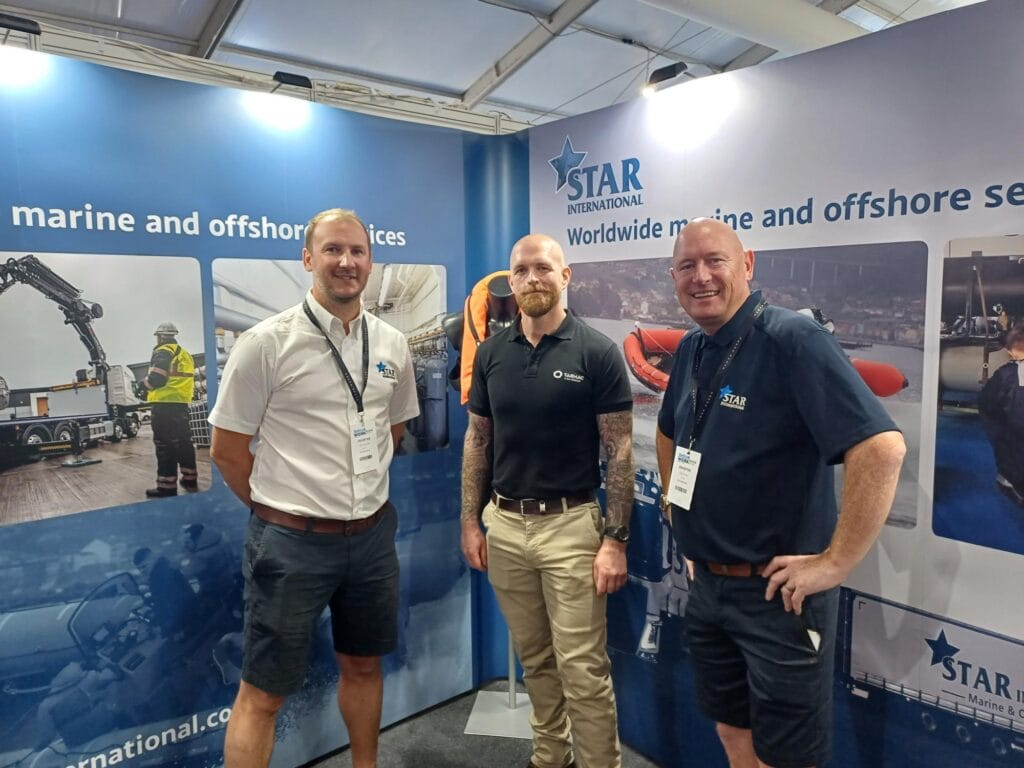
77 344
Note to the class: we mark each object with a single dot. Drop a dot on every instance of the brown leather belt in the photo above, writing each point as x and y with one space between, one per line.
316 524
553 506
745 570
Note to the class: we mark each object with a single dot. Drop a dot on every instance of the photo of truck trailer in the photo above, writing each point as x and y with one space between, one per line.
67 417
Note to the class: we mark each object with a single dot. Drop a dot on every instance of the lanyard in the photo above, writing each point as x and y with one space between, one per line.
716 382
357 394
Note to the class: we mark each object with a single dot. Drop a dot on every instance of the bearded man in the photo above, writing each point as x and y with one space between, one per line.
548 392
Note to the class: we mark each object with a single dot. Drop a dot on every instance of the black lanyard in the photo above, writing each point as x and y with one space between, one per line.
716 382
357 394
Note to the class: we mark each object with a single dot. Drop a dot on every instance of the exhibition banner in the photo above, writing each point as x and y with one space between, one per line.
879 184
129 203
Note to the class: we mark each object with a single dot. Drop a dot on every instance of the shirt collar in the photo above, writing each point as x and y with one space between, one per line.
725 335
563 332
329 322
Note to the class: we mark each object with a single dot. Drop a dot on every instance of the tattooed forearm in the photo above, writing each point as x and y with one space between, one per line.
477 453
616 430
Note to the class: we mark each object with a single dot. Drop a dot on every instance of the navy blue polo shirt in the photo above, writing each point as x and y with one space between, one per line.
544 404
789 407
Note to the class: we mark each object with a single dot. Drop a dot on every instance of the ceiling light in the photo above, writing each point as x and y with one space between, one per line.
287 78
28 27
277 111
663 74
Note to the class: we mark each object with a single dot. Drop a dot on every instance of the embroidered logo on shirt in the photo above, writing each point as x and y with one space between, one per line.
731 400
386 370
575 378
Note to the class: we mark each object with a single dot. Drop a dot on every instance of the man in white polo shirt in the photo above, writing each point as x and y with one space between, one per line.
312 404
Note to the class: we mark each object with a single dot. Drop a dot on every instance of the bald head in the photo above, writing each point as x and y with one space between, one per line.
538 243
726 236
712 272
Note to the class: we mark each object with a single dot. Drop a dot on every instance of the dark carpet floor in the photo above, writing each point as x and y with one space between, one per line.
435 739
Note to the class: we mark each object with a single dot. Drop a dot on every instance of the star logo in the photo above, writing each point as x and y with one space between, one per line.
941 648
568 160
381 367
725 391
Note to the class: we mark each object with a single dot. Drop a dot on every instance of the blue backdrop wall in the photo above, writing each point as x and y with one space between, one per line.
96 657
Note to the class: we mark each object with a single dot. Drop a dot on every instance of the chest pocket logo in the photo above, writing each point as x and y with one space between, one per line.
386 371
575 378
731 400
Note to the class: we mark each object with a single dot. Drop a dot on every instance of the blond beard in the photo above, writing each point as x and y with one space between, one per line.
537 303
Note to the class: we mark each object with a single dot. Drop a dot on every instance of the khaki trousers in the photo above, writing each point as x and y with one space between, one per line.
541 568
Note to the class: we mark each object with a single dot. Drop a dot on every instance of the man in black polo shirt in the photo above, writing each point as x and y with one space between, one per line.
759 407
547 393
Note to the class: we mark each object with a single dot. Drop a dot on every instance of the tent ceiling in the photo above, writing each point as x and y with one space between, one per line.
485 65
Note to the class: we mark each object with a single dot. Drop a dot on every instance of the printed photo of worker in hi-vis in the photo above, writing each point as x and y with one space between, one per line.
169 385
94 376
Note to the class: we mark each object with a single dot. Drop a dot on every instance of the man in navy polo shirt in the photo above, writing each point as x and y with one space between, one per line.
760 404
548 392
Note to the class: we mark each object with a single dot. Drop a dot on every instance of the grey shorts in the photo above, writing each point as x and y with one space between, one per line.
292 575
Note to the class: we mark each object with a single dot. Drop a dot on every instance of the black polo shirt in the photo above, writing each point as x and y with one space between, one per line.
788 407
544 403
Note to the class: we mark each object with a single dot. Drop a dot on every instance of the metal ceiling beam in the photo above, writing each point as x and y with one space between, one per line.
788 26
154 61
545 31
616 37
309 66
215 27
80 23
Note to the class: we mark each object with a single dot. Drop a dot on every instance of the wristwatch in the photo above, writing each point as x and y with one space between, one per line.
619 533
665 503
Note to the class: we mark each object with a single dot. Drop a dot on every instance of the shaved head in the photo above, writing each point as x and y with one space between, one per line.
538 243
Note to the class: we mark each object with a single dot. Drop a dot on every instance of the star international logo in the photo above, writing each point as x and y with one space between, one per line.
941 648
385 370
566 162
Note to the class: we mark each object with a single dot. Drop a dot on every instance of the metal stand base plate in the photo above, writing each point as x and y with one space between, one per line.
492 716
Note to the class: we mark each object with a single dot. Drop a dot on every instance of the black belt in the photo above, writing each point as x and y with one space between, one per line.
316 524
744 570
553 506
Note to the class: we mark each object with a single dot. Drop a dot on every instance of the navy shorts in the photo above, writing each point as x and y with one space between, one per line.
292 575
759 667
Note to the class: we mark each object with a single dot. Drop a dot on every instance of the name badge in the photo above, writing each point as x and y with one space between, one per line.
364 448
684 477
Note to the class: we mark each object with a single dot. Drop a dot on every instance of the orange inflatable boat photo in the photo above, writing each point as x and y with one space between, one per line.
650 353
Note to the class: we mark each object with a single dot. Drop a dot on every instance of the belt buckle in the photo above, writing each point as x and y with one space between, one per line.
523 503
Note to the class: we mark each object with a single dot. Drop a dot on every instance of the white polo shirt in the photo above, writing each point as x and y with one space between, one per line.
281 385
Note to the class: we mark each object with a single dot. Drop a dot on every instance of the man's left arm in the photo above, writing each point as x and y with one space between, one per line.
872 469
616 432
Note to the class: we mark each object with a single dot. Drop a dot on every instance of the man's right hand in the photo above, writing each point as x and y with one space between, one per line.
474 545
